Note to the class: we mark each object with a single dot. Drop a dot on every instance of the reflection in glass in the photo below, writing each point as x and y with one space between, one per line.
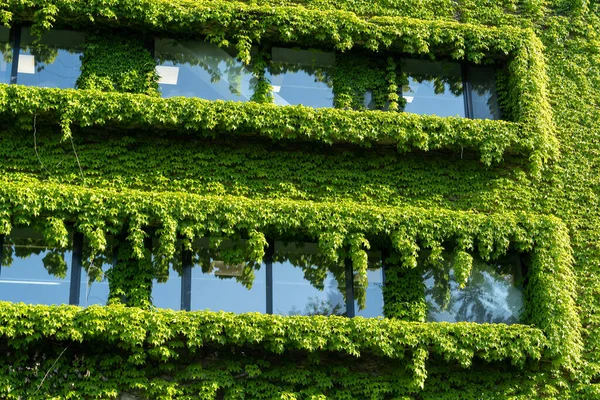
223 281
94 287
166 290
53 61
483 93
373 293
301 284
434 88
6 56
201 69
33 273
301 77
493 293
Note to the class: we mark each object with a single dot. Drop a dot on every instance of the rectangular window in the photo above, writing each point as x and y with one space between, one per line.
301 77
94 288
493 292
373 292
201 69
53 61
7 55
33 272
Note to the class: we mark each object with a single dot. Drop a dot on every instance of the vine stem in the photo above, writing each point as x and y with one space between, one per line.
50 369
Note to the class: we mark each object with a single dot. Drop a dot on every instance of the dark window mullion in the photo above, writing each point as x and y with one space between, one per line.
186 280
76 266
16 42
349 288
467 91
268 259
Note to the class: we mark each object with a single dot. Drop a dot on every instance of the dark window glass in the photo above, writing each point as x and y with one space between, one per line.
166 289
201 69
53 61
301 77
223 281
7 55
302 285
433 88
482 81
493 293
94 287
373 293
32 272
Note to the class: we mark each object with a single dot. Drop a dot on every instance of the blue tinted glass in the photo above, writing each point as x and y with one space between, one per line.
94 287
200 69
32 272
482 82
166 290
54 61
222 281
6 56
433 88
492 294
373 294
301 77
303 287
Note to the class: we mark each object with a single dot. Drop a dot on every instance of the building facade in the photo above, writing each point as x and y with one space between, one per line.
281 199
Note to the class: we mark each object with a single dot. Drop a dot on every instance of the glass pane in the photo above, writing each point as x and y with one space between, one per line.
301 77
200 69
483 93
54 61
32 272
433 88
94 287
302 285
493 293
166 290
222 281
373 293
6 56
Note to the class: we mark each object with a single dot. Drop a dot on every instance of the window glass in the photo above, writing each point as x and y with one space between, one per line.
32 272
301 77
493 292
166 289
373 293
53 61
482 81
301 284
433 88
223 281
201 69
94 287
6 56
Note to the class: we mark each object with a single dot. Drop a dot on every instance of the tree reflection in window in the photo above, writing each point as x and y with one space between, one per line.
301 77
305 282
202 69
33 272
54 60
6 55
94 287
492 294
434 88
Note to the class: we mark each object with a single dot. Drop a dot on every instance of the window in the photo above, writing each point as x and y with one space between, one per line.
165 290
373 292
201 69
493 293
6 56
94 288
301 77
449 89
32 272
52 61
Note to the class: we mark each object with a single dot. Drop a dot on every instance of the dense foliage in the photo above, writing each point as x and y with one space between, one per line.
188 168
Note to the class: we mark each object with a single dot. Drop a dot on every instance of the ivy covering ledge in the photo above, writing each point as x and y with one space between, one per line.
145 336
212 118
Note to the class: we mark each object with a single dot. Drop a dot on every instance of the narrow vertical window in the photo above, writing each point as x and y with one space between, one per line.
368 300
53 61
301 77
94 283
6 56
201 69
482 83
433 88
33 272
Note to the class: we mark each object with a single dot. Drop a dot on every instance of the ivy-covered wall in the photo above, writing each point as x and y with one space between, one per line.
113 158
